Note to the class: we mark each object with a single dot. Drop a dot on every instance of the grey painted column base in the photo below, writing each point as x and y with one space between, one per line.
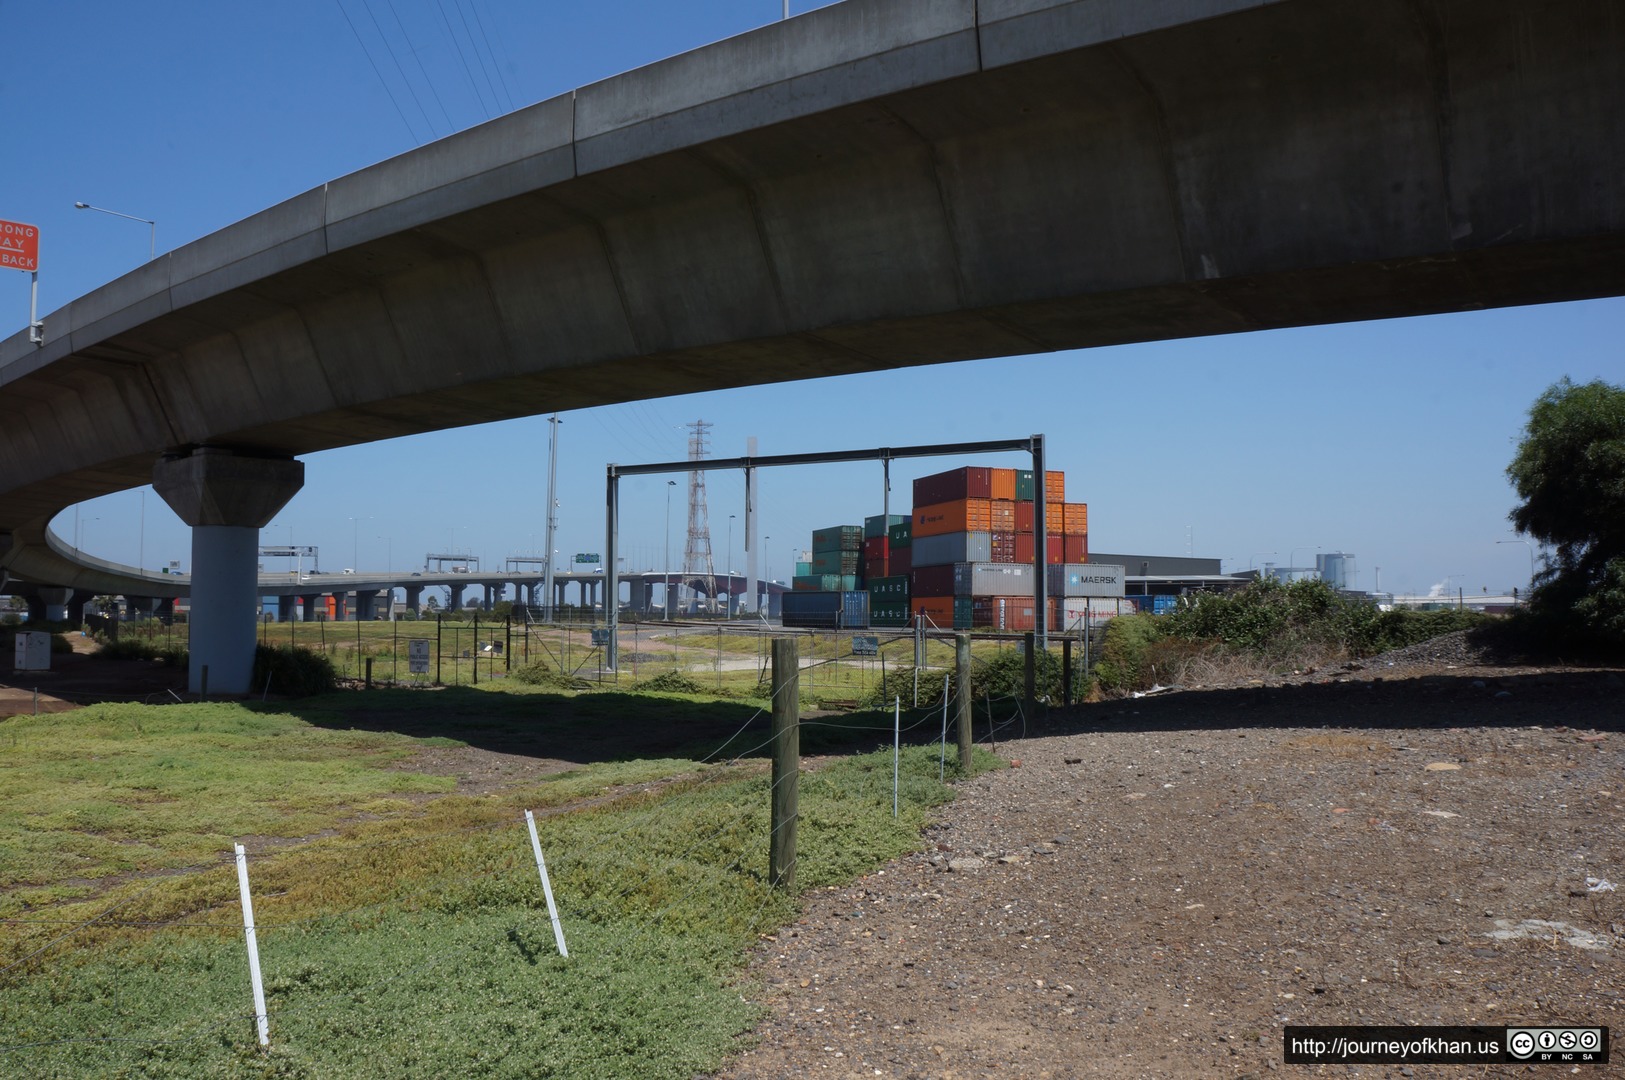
227 497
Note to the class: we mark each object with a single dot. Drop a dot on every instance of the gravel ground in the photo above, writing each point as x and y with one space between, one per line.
1163 883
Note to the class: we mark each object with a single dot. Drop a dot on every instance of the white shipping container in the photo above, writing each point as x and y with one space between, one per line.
952 548
1086 579
1076 611
993 579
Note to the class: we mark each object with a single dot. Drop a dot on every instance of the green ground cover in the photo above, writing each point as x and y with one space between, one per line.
403 930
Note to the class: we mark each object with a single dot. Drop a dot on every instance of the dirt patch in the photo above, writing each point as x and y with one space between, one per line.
1164 883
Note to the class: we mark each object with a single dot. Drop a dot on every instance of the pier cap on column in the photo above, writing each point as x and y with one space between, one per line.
211 485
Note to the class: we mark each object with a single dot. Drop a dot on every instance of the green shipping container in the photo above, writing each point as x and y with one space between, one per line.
803 569
902 534
836 562
888 612
1024 485
889 588
837 538
880 524
824 583
964 612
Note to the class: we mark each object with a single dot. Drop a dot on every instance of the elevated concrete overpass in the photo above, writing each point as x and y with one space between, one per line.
876 184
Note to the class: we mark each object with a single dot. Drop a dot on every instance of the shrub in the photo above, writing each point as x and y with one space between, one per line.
540 674
674 682
138 648
293 672
1124 663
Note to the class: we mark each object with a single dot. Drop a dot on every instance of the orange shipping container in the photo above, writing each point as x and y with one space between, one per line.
1055 488
961 515
940 609
1004 514
1055 512
1075 519
1004 484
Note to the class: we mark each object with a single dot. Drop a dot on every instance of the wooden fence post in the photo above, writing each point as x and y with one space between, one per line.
786 763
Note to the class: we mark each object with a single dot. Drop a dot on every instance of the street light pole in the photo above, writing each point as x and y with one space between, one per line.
731 564
152 237
665 575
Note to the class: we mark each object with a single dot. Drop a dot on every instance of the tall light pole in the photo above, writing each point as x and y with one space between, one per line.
665 575
152 238
731 564
1531 548
355 541
552 514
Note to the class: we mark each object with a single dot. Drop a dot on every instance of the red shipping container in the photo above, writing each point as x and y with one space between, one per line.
1055 552
1004 547
1076 549
1024 518
874 568
874 547
933 581
971 482
1003 612
902 561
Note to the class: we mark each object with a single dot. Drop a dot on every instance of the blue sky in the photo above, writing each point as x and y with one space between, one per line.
1388 440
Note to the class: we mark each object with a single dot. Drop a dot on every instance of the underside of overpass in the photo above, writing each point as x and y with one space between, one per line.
877 184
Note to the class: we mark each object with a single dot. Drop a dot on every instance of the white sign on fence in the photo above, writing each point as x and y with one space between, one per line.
417 656
33 651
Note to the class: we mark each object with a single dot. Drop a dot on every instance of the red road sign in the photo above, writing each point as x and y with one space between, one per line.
19 246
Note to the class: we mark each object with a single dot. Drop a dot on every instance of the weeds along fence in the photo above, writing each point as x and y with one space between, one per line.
552 939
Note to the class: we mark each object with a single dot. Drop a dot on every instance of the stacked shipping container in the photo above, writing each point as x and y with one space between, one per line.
974 540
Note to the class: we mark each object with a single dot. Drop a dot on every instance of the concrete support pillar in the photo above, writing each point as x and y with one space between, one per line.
456 601
36 607
287 608
671 594
164 608
313 606
56 603
76 606
341 607
558 594
140 607
366 604
414 600
226 497
490 598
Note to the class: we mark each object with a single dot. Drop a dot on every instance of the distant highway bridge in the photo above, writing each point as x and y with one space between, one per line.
876 184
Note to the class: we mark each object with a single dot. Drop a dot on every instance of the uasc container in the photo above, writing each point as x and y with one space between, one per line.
901 534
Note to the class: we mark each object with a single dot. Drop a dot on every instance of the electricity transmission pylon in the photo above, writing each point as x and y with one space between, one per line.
697 563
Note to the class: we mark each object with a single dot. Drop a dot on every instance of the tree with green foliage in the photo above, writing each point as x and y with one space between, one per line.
1570 473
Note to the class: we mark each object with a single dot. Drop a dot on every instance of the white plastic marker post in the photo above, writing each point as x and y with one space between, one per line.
260 1017
547 886
896 745
942 762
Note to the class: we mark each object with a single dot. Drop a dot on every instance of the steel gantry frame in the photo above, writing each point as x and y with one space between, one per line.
1033 444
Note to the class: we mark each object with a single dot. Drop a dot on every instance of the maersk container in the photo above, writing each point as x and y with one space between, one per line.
888 588
1086 579
951 548
880 524
837 538
970 482
993 579
836 562
901 534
